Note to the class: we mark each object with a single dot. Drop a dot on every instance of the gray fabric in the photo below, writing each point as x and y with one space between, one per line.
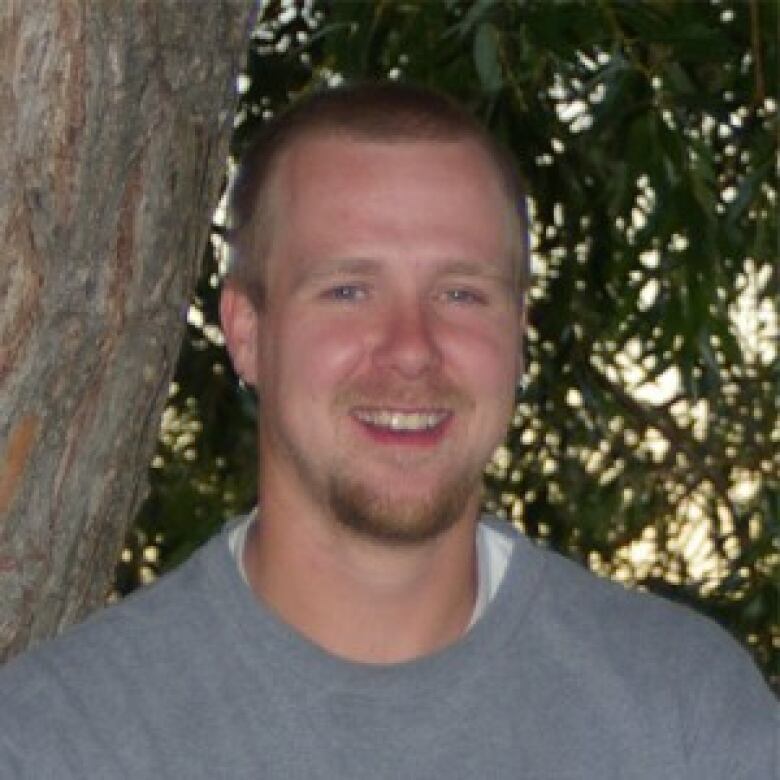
565 676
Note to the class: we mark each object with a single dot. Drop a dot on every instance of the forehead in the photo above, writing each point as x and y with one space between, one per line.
341 189
317 157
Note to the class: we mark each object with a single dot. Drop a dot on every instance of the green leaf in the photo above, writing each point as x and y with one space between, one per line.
477 12
486 57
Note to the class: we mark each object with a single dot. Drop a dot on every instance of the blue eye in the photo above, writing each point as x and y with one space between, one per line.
465 296
346 292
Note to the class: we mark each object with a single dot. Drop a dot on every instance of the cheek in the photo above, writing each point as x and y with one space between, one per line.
486 357
319 355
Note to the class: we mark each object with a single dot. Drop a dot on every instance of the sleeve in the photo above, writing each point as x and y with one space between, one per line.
18 765
732 729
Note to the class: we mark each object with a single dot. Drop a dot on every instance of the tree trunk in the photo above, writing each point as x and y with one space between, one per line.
114 123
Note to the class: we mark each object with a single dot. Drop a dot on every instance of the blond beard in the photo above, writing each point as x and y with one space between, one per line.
385 519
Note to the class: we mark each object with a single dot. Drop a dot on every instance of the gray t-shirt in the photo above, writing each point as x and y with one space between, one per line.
564 676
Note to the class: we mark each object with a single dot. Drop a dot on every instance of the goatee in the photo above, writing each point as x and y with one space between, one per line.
407 521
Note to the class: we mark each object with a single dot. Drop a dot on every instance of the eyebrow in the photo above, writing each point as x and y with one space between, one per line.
491 270
349 265
369 266
362 266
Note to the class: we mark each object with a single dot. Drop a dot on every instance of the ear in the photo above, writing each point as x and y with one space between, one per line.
240 327
522 315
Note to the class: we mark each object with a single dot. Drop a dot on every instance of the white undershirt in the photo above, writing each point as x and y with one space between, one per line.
493 551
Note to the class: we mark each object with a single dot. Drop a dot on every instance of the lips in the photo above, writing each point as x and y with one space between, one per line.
399 420
403 426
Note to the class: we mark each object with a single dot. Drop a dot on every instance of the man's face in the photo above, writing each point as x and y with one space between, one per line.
388 347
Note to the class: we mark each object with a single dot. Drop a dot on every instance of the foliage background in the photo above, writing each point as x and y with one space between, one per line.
645 441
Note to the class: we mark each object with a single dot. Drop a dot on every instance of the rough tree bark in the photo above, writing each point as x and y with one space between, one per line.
114 122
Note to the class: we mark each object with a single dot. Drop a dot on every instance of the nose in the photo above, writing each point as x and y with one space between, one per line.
408 343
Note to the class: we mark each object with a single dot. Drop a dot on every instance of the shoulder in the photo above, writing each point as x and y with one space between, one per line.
158 621
656 657
642 623
152 664
569 594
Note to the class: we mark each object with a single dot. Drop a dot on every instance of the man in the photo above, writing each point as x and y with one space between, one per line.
363 623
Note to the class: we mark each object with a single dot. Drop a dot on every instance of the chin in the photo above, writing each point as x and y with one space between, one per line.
394 519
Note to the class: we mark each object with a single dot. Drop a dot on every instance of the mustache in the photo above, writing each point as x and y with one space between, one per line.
427 394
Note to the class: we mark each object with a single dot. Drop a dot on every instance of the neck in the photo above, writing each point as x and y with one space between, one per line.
357 598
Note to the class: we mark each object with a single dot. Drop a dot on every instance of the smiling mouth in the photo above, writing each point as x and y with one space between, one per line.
397 421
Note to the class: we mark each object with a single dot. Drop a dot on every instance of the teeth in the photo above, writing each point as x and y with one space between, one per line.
401 421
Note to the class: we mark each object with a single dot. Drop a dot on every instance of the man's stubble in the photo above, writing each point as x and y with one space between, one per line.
383 518
356 502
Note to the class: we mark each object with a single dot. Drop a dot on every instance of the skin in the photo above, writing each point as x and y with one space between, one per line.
390 290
